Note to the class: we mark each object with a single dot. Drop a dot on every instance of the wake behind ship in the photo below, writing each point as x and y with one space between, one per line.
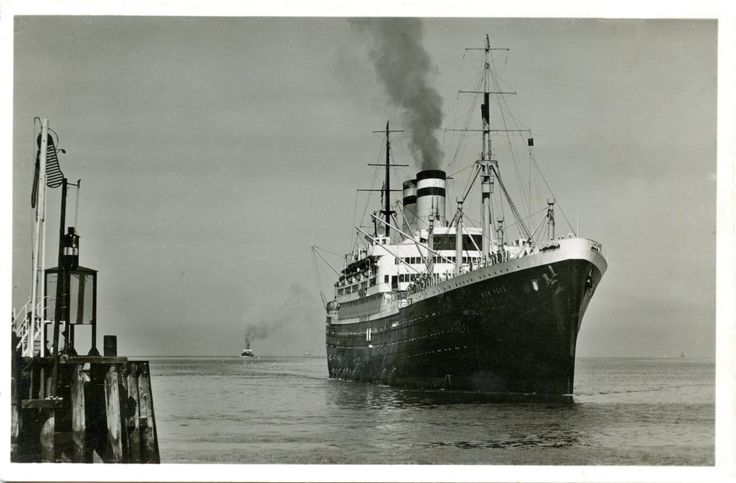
438 303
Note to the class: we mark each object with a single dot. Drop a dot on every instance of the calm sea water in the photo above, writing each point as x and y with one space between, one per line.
285 410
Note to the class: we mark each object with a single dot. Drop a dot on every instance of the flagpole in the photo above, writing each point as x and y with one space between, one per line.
42 281
40 207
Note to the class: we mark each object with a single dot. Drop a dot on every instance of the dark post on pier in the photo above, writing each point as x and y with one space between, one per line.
67 407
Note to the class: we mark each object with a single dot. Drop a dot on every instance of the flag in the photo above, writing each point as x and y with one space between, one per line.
54 176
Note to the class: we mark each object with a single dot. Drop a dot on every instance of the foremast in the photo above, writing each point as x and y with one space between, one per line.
386 189
387 211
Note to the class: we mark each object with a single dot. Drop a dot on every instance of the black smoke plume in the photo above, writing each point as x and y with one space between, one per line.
257 331
406 69
273 320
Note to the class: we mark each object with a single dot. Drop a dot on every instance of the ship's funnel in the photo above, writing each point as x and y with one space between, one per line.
410 206
431 197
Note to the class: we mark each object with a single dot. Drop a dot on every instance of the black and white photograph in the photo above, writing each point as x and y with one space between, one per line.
367 247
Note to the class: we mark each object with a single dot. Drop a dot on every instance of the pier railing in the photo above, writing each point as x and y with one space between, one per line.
22 328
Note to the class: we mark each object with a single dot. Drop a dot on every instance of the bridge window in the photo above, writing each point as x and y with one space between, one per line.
447 242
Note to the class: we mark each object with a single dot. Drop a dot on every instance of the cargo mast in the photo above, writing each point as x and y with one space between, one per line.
486 180
487 167
387 211
485 164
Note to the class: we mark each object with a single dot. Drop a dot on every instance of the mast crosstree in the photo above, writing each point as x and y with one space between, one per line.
387 211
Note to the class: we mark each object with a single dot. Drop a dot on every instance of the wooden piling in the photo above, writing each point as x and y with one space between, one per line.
47 439
112 411
102 411
42 383
149 438
15 409
133 414
79 417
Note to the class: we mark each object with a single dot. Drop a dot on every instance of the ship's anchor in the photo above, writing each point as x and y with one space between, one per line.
550 279
589 281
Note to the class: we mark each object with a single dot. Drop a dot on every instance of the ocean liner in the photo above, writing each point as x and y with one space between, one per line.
440 304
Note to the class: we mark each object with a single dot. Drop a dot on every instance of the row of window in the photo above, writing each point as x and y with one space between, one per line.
337 332
435 259
369 332
447 242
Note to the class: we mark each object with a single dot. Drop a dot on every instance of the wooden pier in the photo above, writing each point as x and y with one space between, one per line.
102 411
66 407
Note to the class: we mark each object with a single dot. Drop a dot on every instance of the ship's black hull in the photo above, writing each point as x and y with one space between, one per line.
510 334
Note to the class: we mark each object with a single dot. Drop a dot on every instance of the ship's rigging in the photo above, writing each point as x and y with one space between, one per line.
495 204
486 171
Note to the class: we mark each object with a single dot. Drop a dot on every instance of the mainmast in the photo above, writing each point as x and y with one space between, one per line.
485 109
485 164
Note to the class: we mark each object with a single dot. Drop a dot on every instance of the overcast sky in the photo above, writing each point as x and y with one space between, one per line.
215 151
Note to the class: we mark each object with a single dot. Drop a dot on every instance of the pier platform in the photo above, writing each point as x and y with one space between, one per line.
82 409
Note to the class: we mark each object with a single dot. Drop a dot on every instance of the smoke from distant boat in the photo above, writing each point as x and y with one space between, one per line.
271 320
257 331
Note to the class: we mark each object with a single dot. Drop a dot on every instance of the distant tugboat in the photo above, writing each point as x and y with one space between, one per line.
246 352
682 354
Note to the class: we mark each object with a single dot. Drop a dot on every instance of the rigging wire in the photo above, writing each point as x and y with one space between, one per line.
516 213
506 114
316 273
541 174
355 211
316 250
357 221
501 102
529 217
467 192
329 251
532 159
521 126
468 119
452 175
456 118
